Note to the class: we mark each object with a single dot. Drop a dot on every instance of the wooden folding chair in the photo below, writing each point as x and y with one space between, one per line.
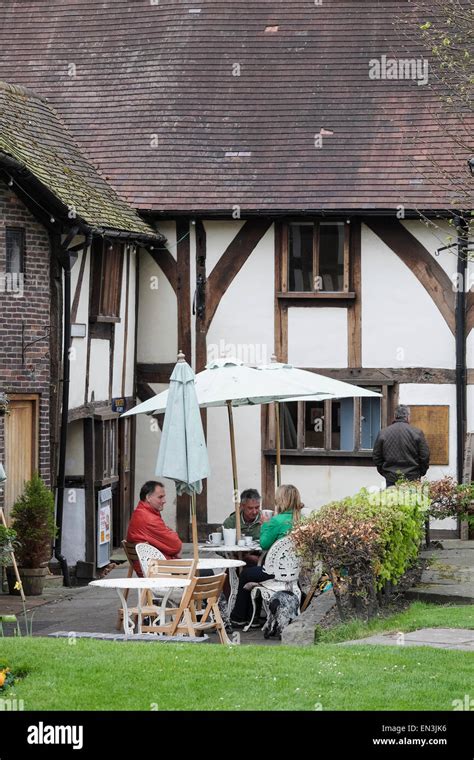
185 617
131 555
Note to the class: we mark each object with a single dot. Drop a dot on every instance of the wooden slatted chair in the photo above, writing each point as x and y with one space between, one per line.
202 591
166 568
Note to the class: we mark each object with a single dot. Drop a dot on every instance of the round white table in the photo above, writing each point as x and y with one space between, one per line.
229 553
141 584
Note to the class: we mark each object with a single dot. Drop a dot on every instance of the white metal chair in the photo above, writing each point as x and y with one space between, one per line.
282 562
145 553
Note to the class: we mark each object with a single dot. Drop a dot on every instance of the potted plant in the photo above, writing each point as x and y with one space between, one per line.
35 527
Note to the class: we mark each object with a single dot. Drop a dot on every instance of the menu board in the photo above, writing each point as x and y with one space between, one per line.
434 421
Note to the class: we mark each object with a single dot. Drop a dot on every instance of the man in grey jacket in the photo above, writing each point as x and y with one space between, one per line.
401 449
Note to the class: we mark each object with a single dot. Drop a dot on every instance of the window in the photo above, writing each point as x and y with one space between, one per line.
106 283
106 450
342 425
317 257
15 249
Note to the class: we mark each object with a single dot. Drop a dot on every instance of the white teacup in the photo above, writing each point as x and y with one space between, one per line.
268 513
215 538
242 542
248 540
229 536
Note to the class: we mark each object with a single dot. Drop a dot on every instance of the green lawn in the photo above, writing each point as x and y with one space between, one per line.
101 675
418 615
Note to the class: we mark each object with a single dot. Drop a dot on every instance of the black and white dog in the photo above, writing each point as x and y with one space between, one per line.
284 607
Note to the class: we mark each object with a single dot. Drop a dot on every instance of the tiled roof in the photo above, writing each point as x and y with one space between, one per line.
210 104
31 132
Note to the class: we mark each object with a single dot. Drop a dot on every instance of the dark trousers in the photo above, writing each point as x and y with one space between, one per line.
243 604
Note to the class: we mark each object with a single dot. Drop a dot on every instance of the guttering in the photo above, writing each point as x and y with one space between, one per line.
460 336
67 262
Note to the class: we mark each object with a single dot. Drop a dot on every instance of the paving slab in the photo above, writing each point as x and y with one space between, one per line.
449 575
441 638
152 637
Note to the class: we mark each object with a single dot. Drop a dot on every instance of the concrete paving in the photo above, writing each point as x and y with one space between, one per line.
449 576
88 609
440 638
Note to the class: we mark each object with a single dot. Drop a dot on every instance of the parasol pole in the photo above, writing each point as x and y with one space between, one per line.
194 526
278 442
234 471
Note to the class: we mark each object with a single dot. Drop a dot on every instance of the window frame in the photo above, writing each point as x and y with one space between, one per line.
386 402
101 253
285 259
21 231
106 428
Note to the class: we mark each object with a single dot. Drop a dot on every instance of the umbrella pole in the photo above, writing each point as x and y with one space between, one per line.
278 442
194 527
234 471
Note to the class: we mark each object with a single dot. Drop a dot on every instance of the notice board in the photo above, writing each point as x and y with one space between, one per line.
434 421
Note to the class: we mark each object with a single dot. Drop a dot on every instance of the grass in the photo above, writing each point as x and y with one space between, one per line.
103 675
418 615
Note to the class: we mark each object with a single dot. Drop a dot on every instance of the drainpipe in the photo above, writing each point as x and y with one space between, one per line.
461 345
67 260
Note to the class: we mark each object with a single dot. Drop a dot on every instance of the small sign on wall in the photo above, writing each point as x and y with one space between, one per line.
434 422
118 405
104 538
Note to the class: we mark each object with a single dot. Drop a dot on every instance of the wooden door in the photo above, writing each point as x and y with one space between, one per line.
124 503
21 446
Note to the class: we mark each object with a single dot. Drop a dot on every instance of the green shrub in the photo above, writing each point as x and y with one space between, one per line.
374 536
33 521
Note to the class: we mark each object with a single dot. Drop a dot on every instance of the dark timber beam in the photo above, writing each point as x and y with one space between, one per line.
167 264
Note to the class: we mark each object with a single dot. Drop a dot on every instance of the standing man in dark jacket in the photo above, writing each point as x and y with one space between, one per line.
401 449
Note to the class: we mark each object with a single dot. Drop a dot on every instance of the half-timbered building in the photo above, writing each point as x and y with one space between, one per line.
307 199
68 257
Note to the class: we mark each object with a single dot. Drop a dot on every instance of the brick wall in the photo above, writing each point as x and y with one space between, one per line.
33 308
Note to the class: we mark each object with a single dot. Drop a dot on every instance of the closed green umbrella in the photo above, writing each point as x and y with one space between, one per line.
182 455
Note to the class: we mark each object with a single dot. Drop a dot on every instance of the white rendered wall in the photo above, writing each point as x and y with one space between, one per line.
218 236
157 315
75 448
148 441
78 353
99 364
317 337
470 408
321 484
247 438
401 326
74 526
469 285
243 324
411 393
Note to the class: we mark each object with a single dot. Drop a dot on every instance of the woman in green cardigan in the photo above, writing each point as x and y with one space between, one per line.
287 514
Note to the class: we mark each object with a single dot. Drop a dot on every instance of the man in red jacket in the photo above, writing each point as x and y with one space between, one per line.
147 525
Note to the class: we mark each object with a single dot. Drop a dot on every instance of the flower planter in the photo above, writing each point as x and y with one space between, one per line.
32 580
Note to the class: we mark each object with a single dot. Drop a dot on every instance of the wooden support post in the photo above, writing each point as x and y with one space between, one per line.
201 346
